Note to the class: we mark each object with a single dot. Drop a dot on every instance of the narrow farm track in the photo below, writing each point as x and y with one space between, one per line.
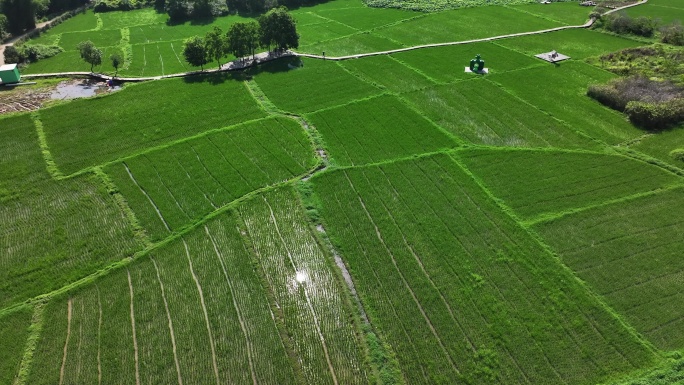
99 336
263 57
70 306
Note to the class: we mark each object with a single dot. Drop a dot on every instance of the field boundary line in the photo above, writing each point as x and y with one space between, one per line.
468 221
212 345
135 338
640 156
170 324
240 64
590 294
35 329
70 305
50 164
600 302
546 113
403 279
543 17
306 294
627 198
139 231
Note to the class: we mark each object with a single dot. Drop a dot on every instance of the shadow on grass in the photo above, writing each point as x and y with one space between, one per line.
283 64
214 78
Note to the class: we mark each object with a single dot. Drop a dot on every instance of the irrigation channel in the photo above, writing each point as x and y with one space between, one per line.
263 57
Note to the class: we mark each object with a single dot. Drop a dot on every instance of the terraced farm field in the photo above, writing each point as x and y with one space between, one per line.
385 220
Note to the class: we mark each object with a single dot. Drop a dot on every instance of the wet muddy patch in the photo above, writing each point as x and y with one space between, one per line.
82 88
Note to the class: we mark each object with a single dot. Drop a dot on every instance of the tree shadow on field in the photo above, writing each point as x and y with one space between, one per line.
283 64
214 78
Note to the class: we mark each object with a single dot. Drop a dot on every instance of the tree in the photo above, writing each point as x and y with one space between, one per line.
116 62
21 15
216 46
279 28
243 39
90 54
252 35
4 27
195 52
13 55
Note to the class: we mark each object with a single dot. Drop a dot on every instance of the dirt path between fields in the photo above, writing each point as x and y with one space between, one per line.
263 57
66 343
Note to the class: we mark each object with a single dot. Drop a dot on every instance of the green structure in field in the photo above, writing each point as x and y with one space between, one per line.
477 64
9 73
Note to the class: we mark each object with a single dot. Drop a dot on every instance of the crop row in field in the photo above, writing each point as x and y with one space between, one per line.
576 43
631 254
481 113
174 187
563 12
85 133
14 329
305 85
376 130
51 232
663 12
561 91
389 73
197 311
538 183
460 291
464 24
158 58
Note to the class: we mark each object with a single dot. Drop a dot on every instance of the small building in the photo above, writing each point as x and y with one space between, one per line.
9 73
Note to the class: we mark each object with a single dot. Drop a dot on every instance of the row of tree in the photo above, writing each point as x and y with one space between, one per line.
275 29
21 15
181 10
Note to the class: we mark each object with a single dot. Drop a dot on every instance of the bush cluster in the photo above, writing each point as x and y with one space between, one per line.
30 53
672 34
621 23
648 103
655 115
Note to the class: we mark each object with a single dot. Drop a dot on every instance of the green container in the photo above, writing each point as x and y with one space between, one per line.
9 73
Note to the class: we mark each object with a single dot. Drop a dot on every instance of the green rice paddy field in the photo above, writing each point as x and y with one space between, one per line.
382 220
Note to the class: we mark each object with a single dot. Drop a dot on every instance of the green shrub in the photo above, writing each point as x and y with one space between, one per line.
655 116
678 154
33 53
617 93
672 34
13 55
623 24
